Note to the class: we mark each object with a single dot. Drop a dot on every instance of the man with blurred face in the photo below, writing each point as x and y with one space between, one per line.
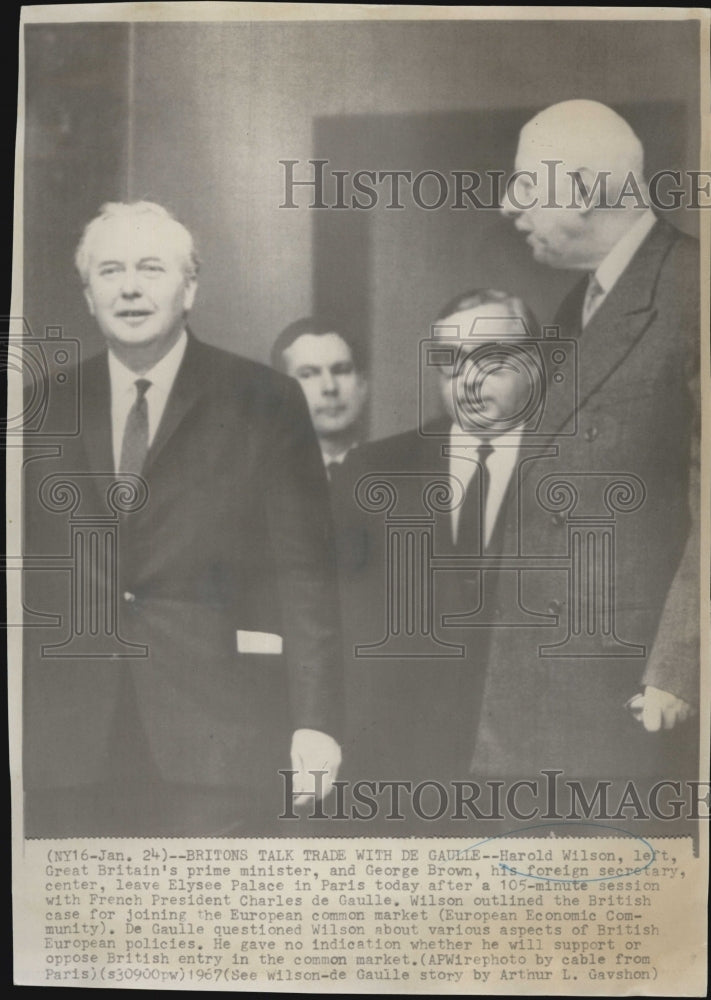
324 360
219 661
488 392
487 386
579 197
421 710
486 389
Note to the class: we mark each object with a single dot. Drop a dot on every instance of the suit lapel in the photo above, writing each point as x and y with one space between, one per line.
620 322
570 313
189 385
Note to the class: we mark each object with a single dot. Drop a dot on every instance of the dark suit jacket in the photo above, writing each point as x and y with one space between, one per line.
235 533
409 716
635 412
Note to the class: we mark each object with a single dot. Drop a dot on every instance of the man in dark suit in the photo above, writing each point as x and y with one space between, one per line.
200 642
613 699
447 482
327 361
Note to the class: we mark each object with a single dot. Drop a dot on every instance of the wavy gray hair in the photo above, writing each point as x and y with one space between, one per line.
137 209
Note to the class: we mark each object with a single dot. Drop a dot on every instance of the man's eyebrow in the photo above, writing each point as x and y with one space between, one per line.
308 368
104 263
148 260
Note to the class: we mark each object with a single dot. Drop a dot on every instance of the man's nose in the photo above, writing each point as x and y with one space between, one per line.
130 284
508 209
329 385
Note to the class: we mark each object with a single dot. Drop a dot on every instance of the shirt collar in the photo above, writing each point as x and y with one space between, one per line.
623 251
509 438
161 375
340 458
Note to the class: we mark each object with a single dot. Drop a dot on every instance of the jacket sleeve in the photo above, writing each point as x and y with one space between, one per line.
302 541
673 663
674 659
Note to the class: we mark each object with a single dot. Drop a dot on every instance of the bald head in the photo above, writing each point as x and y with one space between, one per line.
578 183
585 135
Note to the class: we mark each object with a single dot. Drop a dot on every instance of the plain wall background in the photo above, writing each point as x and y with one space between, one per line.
197 117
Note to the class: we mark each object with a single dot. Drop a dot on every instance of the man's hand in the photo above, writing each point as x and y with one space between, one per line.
312 750
657 709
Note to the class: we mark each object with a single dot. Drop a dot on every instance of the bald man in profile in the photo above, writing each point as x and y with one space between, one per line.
635 317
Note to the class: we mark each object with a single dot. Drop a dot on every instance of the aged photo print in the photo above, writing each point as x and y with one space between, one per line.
357 438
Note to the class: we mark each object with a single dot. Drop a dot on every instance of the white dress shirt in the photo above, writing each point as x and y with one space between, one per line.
123 392
340 458
500 465
619 257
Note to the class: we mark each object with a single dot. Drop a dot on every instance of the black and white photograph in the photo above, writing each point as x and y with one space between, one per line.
357 371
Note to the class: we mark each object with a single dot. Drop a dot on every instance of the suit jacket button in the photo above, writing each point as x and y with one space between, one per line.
591 433
555 607
128 597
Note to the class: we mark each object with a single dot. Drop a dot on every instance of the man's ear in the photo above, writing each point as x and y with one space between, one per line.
89 299
189 296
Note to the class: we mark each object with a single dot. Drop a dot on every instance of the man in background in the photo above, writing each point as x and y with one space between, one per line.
326 362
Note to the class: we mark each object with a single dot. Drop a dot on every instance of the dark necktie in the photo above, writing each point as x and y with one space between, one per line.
337 471
472 516
135 434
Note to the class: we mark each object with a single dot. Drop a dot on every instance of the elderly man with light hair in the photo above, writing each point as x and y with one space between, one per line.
579 197
221 651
